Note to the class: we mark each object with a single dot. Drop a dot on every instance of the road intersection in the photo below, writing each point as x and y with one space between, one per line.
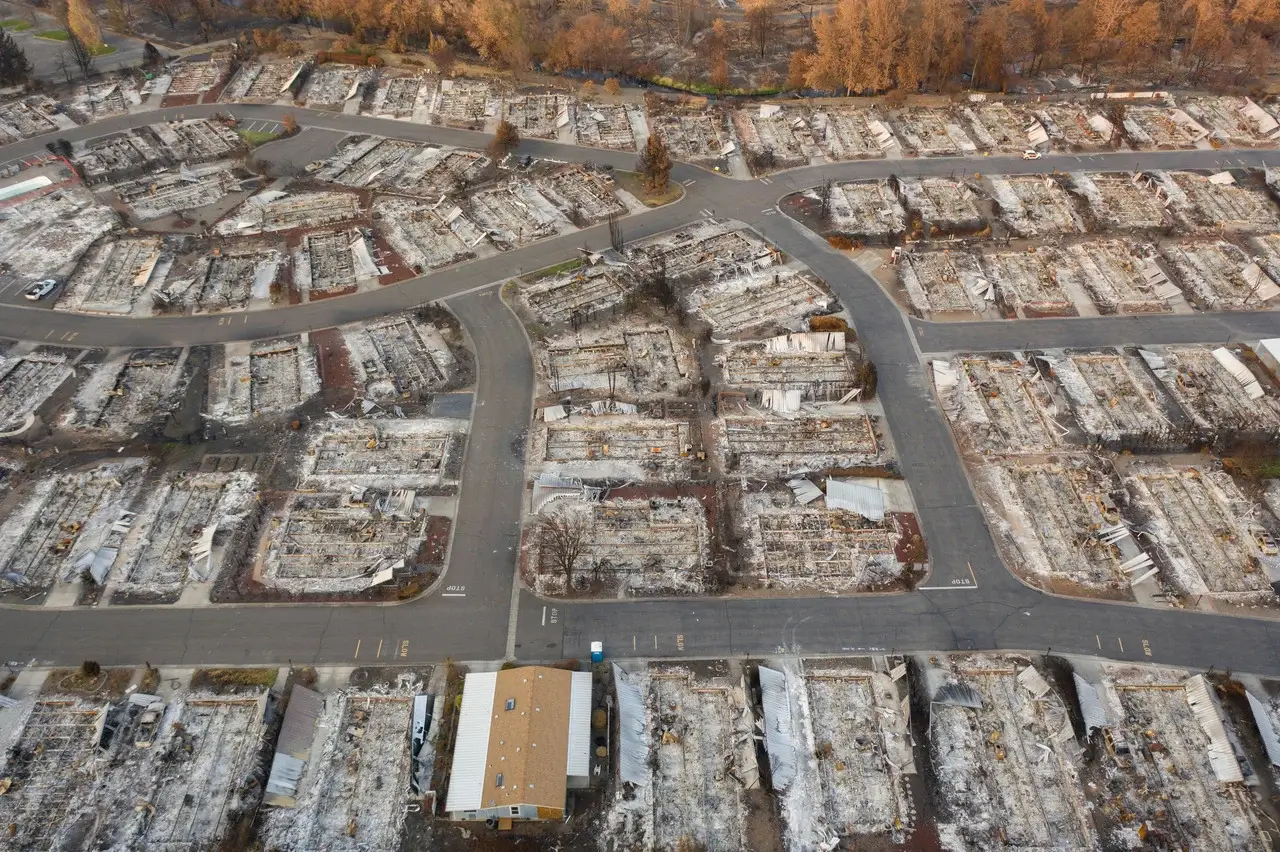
971 601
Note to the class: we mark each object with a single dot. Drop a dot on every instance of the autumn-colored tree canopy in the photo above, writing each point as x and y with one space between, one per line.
854 46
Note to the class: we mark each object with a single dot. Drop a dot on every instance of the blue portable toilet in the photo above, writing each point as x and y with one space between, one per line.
597 652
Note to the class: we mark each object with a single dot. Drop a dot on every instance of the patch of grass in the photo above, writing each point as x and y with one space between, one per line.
708 89
630 181
106 683
16 24
559 268
102 50
234 680
254 138
54 35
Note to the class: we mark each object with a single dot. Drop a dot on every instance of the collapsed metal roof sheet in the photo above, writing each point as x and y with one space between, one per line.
1032 681
1205 707
806 492
1262 718
633 751
850 496
293 747
779 730
1092 709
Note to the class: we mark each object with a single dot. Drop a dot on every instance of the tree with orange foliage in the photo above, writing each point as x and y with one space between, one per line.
84 23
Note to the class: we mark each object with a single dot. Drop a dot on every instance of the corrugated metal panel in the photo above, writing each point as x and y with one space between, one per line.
299 728
282 785
1239 371
805 491
1091 707
633 751
945 376
471 746
779 731
850 496
1262 718
1033 682
579 725
1221 756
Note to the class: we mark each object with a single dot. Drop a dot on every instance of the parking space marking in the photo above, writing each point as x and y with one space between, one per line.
379 654
356 655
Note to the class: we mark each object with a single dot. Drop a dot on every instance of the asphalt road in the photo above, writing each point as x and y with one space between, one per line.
971 601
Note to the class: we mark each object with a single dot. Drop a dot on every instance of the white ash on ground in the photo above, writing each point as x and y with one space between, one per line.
1203 203
264 378
628 356
61 522
1000 405
1235 121
1171 762
783 296
612 445
384 454
116 277
851 134
463 102
180 533
1213 541
815 548
230 277
399 358
1119 276
352 798
694 136
1027 282
177 190
401 96
870 210
770 445
1163 127
429 235
1219 400
560 296
1266 250
265 82
775 137
1113 397
129 392
331 541
49 765
1220 276
933 133
1006 768
706 249
1051 513
196 78
276 210
98 100
642 546
47 235
400 166
332 262
941 204
33 115
332 85
944 282
613 126
1120 202
537 115
27 379
821 366
853 754
1075 128
586 196
703 767
1002 127
516 214
1035 206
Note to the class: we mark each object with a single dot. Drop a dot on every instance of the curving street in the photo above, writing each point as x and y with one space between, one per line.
971 600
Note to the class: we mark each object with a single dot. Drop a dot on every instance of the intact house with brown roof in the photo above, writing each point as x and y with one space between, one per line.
524 740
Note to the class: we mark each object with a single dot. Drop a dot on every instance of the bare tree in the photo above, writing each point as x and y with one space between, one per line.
79 54
562 539
824 199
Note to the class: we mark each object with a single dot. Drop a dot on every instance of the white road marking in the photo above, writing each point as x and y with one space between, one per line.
453 594
690 181
766 181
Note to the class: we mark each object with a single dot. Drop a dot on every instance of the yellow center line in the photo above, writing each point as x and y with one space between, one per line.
379 655
357 654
